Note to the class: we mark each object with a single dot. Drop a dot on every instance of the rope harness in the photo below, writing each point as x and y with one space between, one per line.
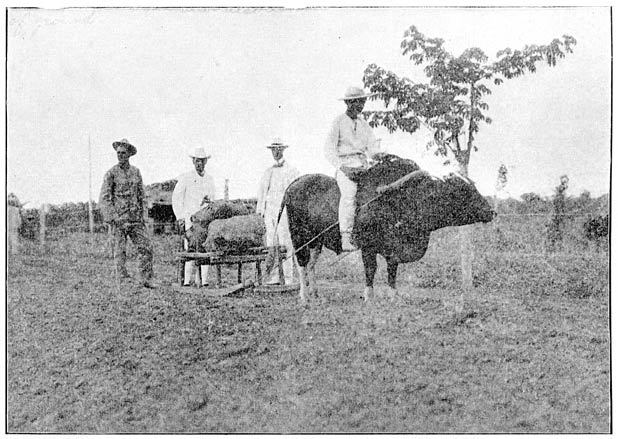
339 257
381 190
328 228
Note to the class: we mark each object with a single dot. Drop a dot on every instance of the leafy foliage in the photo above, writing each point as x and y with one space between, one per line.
533 203
502 178
12 200
451 103
72 215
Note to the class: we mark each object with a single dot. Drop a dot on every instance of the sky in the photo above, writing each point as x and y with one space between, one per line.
231 80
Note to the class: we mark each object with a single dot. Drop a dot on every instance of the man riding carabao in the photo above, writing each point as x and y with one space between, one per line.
349 146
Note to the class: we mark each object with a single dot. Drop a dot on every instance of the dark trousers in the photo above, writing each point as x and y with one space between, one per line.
139 237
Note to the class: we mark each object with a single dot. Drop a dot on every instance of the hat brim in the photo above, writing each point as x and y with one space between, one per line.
363 96
199 157
277 146
131 149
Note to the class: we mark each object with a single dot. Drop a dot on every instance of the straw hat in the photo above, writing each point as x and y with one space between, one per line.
132 150
199 153
355 93
277 143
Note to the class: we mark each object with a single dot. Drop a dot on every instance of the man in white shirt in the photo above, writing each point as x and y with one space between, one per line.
193 190
273 184
349 145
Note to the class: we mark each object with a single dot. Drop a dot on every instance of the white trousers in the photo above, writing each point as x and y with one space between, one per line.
280 236
347 202
191 270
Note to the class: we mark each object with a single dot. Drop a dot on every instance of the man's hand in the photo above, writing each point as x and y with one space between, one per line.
181 224
354 174
383 188
378 157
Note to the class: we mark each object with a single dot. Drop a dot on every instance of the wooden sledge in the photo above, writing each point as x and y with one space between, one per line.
255 255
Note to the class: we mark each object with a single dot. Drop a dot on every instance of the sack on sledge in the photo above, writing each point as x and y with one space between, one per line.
236 234
219 209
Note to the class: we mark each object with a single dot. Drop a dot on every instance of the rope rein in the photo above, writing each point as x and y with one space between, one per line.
327 229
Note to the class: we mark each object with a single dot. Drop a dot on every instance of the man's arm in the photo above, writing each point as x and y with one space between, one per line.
178 196
212 192
291 175
106 198
330 146
141 195
261 194
373 146
209 190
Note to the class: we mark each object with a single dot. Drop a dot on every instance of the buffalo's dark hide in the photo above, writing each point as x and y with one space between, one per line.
396 224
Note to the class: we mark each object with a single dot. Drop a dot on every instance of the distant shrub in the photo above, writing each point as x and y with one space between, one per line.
597 227
556 226
72 216
30 224
596 230
12 200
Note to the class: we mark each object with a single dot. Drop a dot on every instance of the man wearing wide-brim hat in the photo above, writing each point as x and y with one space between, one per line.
349 145
273 184
193 191
123 205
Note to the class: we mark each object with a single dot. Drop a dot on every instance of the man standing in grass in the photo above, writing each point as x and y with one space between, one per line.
193 190
123 206
273 184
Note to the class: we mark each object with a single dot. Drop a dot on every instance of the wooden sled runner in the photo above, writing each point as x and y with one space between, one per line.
256 255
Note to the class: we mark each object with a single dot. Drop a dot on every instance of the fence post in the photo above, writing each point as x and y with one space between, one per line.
43 229
109 245
14 221
465 236
150 226
226 191
90 217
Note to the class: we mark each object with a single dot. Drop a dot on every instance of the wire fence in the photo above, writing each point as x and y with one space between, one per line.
511 250
510 234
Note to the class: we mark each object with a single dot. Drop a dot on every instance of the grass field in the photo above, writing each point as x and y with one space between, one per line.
529 351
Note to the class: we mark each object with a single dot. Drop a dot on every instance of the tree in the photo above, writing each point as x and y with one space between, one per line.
451 104
556 227
502 178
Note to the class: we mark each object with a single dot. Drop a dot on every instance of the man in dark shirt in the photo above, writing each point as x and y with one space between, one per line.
123 206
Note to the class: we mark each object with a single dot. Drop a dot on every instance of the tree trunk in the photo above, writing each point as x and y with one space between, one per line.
43 223
467 255
465 242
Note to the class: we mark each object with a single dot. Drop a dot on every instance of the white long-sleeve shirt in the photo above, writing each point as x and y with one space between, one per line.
273 184
350 142
189 193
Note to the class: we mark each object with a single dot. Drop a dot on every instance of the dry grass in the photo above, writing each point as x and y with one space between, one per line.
529 351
